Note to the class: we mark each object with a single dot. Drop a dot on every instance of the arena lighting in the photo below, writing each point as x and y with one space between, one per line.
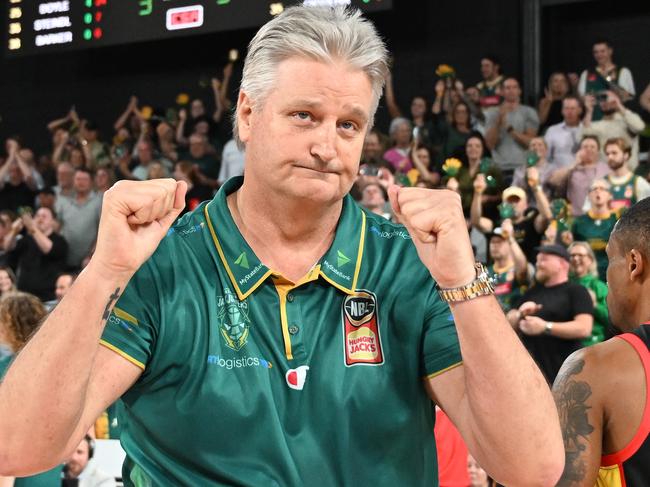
50 26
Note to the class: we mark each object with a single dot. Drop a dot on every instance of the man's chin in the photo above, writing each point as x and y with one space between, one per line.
316 189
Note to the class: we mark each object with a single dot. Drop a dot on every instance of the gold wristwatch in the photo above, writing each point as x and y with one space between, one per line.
481 286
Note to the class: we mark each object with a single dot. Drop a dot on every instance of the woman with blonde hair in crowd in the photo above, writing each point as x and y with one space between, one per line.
584 271
20 315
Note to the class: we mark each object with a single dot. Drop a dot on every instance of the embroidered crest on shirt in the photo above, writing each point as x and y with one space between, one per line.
361 337
234 322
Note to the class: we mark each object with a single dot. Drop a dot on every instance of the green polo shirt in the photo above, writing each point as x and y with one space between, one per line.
595 230
250 379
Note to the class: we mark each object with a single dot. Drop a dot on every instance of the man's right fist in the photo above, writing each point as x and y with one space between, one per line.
135 217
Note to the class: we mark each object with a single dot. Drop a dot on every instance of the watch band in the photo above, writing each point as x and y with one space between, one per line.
481 286
548 328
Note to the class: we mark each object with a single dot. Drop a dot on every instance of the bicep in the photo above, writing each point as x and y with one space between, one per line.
581 422
112 376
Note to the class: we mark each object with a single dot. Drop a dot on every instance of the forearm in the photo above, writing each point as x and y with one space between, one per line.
180 129
644 100
56 154
522 138
476 213
571 330
218 103
543 110
43 241
391 104
26 172
424 171
49 378
492 135
436 107
9 242
543 204
521 263
85 147
121 121
635 124
55 124
496 367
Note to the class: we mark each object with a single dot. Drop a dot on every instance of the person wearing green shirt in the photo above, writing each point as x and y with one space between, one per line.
595 226
279 334
584 271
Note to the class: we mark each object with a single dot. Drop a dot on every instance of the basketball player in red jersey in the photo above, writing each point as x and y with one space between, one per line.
603 392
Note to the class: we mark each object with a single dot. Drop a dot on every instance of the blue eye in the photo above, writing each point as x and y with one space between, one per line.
302 115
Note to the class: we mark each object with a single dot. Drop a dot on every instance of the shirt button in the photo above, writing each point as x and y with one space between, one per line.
293 329
290 297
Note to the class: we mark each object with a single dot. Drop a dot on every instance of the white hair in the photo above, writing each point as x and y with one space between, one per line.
396 123
323 34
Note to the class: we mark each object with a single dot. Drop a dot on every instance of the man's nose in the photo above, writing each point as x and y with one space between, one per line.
324 145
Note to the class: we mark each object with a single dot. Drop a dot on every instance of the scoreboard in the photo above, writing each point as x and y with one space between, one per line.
52 26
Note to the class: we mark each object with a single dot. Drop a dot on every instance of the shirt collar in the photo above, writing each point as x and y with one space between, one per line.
339 266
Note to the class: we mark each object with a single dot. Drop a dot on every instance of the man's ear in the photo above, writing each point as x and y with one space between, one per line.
635 264
244 113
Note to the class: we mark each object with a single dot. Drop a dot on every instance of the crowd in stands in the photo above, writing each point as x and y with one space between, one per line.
542 187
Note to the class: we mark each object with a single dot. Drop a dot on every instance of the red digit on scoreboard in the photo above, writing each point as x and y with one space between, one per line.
188 17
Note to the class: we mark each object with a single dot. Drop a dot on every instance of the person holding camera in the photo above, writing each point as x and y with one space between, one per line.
40 252
606 76
617 121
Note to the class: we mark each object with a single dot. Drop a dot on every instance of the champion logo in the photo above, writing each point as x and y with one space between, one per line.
296 377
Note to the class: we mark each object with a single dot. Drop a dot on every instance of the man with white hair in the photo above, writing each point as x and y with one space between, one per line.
290 337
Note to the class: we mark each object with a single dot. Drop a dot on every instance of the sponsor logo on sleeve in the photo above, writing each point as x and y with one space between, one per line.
361 337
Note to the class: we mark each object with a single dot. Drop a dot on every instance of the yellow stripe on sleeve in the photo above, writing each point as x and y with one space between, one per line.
123 354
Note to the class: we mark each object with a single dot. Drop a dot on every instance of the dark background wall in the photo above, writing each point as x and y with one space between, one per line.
420 34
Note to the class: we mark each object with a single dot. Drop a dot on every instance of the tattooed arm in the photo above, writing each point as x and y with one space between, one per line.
63 374
62 380
581 418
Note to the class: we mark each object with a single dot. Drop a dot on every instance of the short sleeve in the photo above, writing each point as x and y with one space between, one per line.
626 81
440 346
59 248
582 83
21 245
132 327
532 120
491 118
642 188
581 301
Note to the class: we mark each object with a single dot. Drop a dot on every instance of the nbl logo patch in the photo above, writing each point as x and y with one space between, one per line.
361 337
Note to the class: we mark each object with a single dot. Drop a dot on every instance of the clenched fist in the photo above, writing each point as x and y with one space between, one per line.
435 221
135 217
